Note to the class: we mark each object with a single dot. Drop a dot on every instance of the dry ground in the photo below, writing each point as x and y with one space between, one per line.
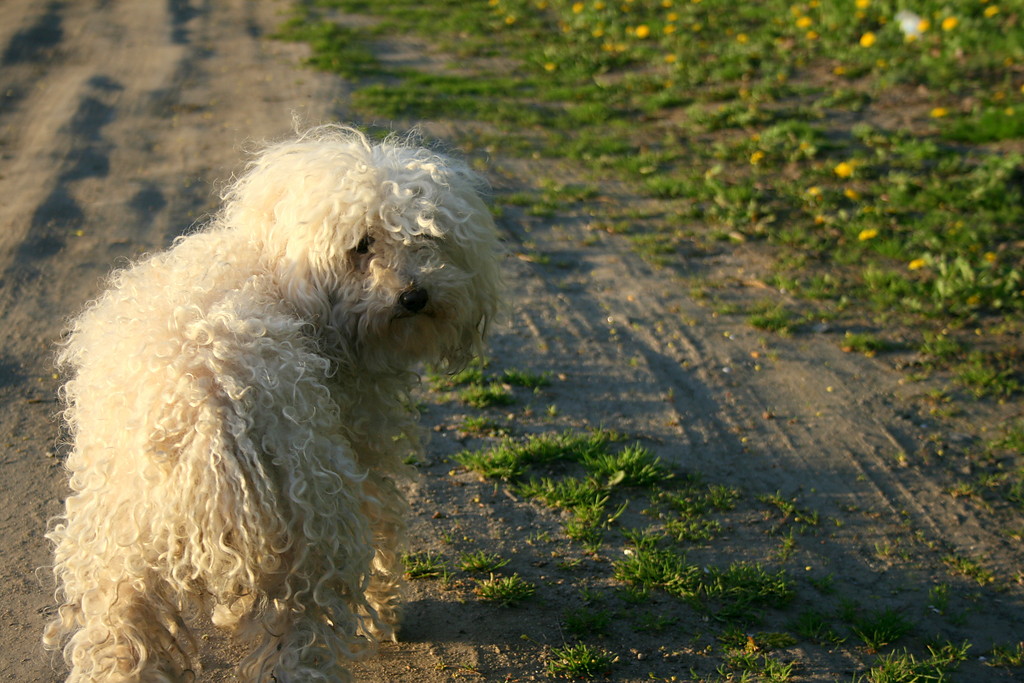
117 122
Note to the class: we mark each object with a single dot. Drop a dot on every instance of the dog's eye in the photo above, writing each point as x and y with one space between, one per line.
364 245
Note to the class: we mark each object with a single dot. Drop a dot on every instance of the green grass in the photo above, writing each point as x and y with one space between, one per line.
881 628
334 47
507 591
424 565
917 221
481 561
901 666
579 661
732 592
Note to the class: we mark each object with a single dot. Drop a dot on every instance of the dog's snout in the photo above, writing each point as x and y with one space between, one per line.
414 299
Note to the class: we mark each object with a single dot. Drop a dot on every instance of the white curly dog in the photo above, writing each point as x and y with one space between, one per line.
241 414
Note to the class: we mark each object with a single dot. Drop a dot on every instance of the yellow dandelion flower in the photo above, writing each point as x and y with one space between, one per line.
939 112
814 191
669 29
671 59
672 16
973 300
867 40
819 219
916 264
578 7
666 3
924 25
991 11
698 27
599 5
990 257
642 31
851 193
950 23
867 234
743 38
597 32
844 169
863 4
812 35
493 3
804 22
510 19
839 70
756 157
550 66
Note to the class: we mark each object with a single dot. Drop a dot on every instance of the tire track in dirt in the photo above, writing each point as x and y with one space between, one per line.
827 428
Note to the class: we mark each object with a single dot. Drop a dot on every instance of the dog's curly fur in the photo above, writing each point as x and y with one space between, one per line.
240 412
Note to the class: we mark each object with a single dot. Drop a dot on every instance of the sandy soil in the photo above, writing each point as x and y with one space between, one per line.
117 122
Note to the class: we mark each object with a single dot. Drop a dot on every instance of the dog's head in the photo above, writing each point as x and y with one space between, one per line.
386 248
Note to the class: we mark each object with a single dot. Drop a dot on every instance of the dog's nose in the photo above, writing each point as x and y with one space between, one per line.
414 299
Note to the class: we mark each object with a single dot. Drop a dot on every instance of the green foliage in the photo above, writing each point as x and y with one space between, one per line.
506 591
579 661
880 628
481 561
423 565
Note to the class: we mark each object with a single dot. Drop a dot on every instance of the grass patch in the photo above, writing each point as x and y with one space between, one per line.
881 628
506 591
901 666
579 661
424 566
481 561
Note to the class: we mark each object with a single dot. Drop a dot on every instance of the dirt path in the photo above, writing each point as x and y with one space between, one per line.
117 121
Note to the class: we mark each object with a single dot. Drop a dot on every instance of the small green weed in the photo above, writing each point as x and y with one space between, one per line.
518 378
791 511
867 344
506 591
773 318
481 561
481 425
579 661
696 499
970 568
424 565
903 667
632 466
880 628
334 47
1009 656
814 626
756 666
